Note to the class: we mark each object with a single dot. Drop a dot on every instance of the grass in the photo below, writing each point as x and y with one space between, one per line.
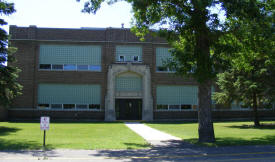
18 136
226 133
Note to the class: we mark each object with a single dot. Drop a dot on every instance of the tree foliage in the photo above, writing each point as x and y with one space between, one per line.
9 87
195 32
250 75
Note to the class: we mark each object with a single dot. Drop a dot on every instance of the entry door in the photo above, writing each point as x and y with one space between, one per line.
128 109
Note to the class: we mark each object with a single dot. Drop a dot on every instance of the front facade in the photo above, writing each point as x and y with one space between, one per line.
100 74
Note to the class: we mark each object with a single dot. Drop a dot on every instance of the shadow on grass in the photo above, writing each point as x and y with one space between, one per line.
244 126
170 122
14 144
67 121
21 145
7 130
236 141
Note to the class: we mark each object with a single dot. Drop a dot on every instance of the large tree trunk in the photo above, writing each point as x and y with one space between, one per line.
255 111
204 71
206 130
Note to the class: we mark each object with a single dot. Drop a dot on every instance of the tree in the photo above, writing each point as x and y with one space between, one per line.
9 87
250 76
193 29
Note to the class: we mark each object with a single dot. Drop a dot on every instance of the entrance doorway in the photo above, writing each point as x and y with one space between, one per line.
128 109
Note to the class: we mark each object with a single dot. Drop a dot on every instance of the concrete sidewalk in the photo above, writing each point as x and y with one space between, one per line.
152 136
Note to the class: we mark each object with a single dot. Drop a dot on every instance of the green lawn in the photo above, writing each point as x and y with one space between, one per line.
227 133
15 136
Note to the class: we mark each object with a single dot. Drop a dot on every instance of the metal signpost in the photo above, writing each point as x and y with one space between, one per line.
44 125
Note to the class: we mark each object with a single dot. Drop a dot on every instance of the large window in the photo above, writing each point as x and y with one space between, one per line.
68 97
70 58
128 82
177 98
162 56
128 54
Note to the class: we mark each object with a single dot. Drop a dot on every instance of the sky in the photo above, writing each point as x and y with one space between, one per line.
67 14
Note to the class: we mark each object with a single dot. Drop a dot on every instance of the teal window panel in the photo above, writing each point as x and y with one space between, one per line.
212 92
70 54
130 83
128 52
177 95
162 54
69 94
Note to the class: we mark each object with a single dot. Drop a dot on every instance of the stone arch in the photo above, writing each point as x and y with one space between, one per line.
147 104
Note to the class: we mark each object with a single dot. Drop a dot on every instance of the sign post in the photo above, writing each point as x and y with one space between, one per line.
44 125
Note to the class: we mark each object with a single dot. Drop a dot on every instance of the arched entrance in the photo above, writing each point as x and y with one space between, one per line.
129 95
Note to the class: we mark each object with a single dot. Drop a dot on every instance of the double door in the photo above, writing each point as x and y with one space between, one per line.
128 109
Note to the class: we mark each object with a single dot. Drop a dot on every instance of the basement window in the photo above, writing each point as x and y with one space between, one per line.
82 67
56 106
43 106
57 67
94 68
186 107
94 106
174 107
45 66
162 107
69 67
81 106
68 106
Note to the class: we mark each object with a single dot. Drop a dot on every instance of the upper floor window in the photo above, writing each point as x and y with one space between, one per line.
128 54
163 55
70 57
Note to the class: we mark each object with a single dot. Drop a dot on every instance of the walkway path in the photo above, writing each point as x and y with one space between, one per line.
153 136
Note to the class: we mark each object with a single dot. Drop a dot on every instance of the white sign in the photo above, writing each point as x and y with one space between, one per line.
44 123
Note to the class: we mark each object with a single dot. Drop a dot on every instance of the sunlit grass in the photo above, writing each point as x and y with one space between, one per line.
14 136
227 133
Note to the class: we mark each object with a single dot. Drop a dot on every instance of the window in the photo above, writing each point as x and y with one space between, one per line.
56 106
45 66
94 106
135 58
95 68
69 67
162 107
57 67
174 107
185 107
43 106
82 67
81 106
162 68
121 58
68 106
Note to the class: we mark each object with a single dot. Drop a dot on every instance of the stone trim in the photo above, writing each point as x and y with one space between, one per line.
147 100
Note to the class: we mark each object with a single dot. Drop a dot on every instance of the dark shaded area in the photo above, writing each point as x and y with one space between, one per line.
66 121
262 126
237 141
21 145
7 130
183 151
15 144
134 145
